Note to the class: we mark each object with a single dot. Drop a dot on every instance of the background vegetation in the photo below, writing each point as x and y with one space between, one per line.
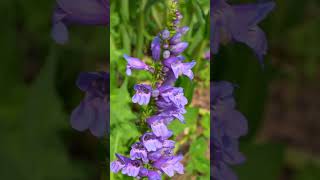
280 102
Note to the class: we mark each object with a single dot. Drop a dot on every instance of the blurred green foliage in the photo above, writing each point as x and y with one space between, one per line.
38 93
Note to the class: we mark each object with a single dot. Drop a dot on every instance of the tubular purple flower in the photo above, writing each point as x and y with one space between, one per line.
151 142
135 63
118 164
174 95
180 68
170 165
176 39
143 94
159 127
178 48
132 168
138 151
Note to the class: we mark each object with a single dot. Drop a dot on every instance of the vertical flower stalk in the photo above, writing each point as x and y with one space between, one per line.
153 155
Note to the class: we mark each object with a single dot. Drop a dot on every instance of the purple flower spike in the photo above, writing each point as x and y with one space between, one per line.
156 48
84 12
170 165
133 168
180 68
143 94
138 151
179 48
150 142
135 63
92 113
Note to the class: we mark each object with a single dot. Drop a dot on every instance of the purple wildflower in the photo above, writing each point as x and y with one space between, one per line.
159 126
138 151
92 113
135 63
119 164
180 68
178 48
132 168
176 38
170 165
143 94
151 142
84 12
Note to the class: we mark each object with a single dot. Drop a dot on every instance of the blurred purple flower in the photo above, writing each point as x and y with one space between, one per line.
93 111
239 23
83 12
228 125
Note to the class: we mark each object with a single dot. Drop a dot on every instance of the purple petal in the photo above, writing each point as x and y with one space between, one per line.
60 33
82 116
179 48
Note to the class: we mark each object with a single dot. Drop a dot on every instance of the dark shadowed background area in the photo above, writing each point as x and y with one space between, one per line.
280 102
38 92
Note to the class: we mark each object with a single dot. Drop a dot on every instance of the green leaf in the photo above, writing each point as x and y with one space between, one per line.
191 121
33 147
198 160
122 121
205 123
